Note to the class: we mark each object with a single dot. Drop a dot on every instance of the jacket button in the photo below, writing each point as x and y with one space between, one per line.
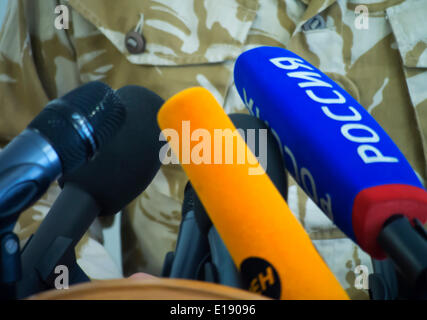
135 42
315 23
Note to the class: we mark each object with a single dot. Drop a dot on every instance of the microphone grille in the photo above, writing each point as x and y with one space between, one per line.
81 122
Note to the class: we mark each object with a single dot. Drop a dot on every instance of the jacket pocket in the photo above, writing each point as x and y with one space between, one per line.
175 32
409 28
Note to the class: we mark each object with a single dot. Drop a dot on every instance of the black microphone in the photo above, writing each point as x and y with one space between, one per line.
116 176
66 134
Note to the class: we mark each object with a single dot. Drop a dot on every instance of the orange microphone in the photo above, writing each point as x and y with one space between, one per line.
267 243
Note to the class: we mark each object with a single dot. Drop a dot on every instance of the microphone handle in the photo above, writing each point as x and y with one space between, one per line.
53 243
220 268
28 165
192 244
226 270
190 250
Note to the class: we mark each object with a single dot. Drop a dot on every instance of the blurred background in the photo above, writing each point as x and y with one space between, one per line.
112 242
3 6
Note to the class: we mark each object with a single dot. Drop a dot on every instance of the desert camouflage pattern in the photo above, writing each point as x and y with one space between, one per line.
195 43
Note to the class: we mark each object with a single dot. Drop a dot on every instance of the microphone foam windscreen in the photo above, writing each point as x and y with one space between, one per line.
129 162
268 244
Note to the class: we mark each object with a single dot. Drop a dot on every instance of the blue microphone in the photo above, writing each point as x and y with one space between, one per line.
334 149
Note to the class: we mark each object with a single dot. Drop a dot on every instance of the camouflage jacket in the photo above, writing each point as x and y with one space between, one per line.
186 43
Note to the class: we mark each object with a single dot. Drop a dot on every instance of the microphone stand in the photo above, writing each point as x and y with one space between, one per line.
40 256
10 262
23 180
54 242
200 253
404 274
